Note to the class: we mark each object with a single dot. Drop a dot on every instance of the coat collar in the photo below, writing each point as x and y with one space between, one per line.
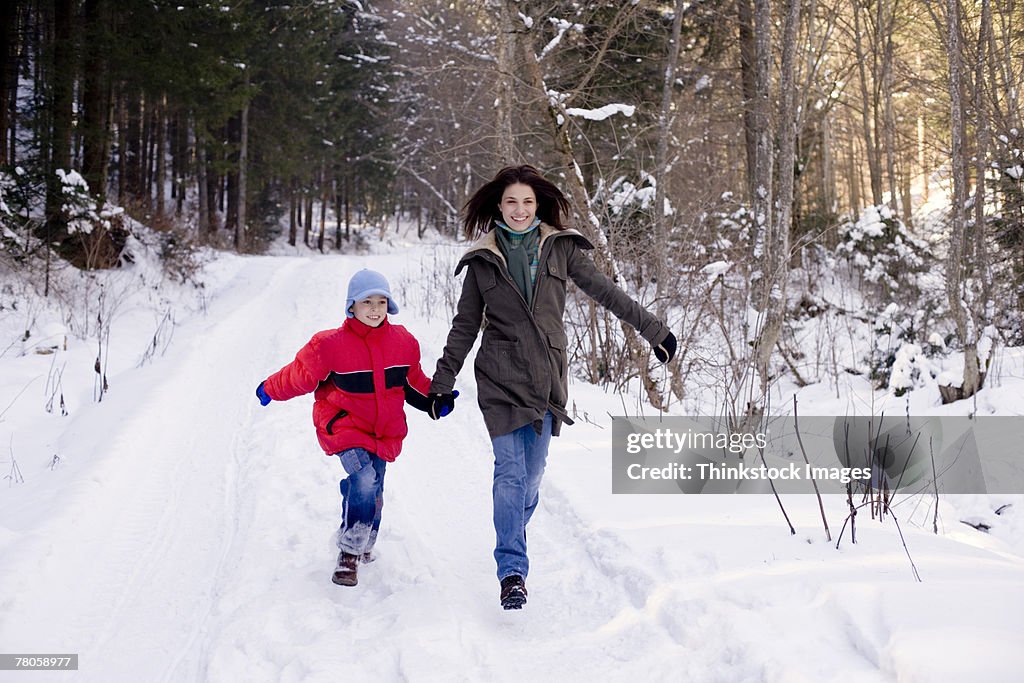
487 245
362 329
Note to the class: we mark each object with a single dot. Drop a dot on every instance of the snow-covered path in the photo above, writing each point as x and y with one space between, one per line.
189 538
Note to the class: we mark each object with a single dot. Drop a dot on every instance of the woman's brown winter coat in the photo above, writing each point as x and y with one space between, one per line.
522 364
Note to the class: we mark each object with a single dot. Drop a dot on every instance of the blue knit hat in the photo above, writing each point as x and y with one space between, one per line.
367 283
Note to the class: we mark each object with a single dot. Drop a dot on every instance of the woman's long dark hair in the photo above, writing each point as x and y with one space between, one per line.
482 208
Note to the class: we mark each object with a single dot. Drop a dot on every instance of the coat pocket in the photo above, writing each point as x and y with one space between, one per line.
502 361
505 354
329 428
557 343
354 459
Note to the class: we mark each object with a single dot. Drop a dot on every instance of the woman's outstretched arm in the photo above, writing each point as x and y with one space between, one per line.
465 328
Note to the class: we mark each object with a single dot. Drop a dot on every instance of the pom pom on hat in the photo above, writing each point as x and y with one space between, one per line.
367 283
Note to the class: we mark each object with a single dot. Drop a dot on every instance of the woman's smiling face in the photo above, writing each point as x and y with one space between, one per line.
518 206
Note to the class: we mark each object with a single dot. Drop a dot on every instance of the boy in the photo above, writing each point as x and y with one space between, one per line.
361 374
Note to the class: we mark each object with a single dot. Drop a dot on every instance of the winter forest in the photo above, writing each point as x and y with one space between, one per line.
724 155
824 200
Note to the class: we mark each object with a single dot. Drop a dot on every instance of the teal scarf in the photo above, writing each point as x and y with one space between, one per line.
521 253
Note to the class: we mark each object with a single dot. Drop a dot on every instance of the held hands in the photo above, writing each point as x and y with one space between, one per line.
442 404
261 393
666 349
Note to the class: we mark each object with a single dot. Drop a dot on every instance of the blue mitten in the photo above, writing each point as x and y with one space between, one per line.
261 393
442 404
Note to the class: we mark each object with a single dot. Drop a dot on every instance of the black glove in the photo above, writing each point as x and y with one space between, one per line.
666 349
442 404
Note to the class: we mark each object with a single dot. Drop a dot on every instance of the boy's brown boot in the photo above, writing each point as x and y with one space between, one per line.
345 573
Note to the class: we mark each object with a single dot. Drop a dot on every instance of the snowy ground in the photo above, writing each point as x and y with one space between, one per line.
184 533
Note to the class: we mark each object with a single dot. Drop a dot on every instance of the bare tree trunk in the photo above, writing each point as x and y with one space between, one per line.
204 187
214 192
748 55
149 123
161 157
323 208
983 135
505 84
906 174
8 71
957 265
887 88
788 126
308 223
852 175
337 211
96 95
243 175
292 214
348 208
763 283
922 162
133 140
122 147
828 190
227 187
870 144
661 170
62 84
775 247
179 160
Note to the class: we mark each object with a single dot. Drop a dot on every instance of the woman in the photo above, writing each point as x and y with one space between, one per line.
516 276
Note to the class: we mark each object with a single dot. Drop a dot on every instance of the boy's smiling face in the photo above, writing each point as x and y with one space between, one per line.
372 310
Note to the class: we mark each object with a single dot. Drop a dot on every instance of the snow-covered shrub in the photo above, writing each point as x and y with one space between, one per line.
80 208
895 269
17 189
99 229
906 370
884 252
180 256
624 198
896 359
7 186
7 214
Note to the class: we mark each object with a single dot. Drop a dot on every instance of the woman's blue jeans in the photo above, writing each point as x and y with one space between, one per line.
519 459
362 500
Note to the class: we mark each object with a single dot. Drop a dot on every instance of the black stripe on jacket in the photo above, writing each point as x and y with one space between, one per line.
361 382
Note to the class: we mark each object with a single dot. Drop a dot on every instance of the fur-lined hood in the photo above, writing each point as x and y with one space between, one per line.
488 243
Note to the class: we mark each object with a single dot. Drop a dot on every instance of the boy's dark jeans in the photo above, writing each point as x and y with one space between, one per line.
362 500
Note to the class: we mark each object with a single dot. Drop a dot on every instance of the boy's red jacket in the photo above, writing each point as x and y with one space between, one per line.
361 376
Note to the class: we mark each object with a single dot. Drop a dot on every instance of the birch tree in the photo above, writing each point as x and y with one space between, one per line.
961 289
766 290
